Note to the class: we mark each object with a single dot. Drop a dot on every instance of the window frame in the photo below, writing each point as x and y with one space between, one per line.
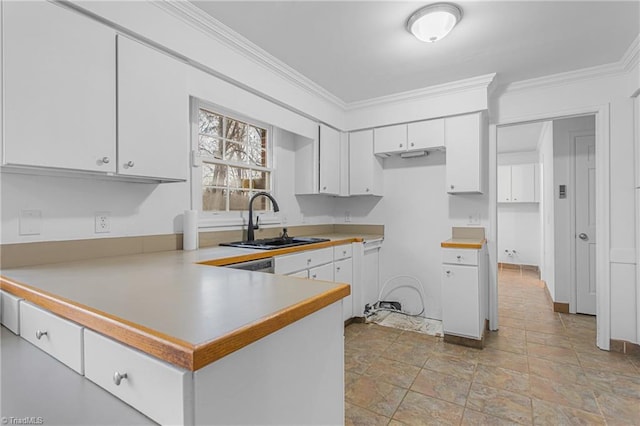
231 218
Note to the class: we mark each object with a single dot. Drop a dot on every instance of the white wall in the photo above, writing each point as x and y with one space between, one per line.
547 255
563 229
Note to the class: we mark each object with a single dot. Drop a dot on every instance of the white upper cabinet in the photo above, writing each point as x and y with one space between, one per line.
329 160
59 88
153 113
425 135
518 184
365 169
417 136
390 139
465 140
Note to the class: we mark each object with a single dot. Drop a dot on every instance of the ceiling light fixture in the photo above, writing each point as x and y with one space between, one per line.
433 22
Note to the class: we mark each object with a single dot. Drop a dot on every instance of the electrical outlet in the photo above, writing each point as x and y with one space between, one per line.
103 222
474 219
347 216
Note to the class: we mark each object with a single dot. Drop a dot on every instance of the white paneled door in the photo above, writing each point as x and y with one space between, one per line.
585 238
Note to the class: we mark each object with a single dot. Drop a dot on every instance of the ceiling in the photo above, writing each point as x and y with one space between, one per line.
359 50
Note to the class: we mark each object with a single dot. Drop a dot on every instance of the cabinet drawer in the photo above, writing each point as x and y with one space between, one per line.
301 274
153 387
460 256
342 252
10 315
303 260
60 338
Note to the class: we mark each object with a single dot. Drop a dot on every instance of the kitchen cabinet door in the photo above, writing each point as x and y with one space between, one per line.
523 187
153 113
343 273
504 184
365 169
425 135
461 301
323 272
390 139
465 140
329 160
59 71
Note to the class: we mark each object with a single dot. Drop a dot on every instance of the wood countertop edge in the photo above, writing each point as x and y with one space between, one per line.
214 350
152 342
169 349
278 252
464 245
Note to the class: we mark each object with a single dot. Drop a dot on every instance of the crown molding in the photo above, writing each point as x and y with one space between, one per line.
628 62
196 18
480 82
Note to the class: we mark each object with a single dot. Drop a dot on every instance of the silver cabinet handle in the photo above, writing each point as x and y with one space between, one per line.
105 160
117 377
40 333
130 164
583 236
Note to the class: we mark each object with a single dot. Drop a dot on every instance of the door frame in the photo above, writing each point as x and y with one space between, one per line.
573 276
603 266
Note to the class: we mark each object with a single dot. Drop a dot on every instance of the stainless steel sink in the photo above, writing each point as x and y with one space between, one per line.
275 243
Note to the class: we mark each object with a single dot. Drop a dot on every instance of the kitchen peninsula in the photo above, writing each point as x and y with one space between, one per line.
226 345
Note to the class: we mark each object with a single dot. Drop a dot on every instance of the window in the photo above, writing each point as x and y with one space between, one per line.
235 162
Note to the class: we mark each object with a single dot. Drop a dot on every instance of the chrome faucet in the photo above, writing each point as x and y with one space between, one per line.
250 226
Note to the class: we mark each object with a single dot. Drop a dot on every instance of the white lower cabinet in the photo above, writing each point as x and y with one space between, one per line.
10 315
343 273
60 338
464 292
291 263
323 272
155 388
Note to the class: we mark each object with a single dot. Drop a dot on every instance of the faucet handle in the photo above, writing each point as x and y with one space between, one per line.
284 235
257 225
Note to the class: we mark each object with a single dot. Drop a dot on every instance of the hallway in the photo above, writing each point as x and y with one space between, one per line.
541 368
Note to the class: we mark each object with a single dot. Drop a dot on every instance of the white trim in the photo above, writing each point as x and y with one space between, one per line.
210 26
603 237
492 249
629 60
480 82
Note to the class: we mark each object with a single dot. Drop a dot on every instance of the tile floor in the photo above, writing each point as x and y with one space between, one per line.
540 368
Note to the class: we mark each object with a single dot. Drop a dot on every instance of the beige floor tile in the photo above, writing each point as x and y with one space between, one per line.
358 360
393 372
442 386
502 378
506 344
552 353
357 416
514 322
452 365
475 418
559 372
546 413
509 332
375 395
567 394
619 384
548 339
608 361
504 359
500 403
417 409
409 354
619 407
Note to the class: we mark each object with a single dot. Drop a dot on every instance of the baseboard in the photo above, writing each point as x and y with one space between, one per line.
624 347
355 320
560 307
467 341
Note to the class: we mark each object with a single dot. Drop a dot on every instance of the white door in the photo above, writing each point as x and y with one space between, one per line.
585 238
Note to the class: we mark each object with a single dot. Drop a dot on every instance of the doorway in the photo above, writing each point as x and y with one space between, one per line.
561 219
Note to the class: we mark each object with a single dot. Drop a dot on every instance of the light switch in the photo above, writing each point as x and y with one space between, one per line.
30 222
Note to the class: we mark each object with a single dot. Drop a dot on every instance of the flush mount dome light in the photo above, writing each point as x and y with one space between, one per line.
434 22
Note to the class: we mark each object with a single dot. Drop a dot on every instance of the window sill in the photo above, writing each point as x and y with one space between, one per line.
235 221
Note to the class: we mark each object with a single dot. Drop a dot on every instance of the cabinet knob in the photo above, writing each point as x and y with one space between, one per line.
40 333
367 190
400 145
337 268
314 276
324 188
117 377
459 257
412 144
130 164
448 273
344 252
515 199
308 260
105 160
452 186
